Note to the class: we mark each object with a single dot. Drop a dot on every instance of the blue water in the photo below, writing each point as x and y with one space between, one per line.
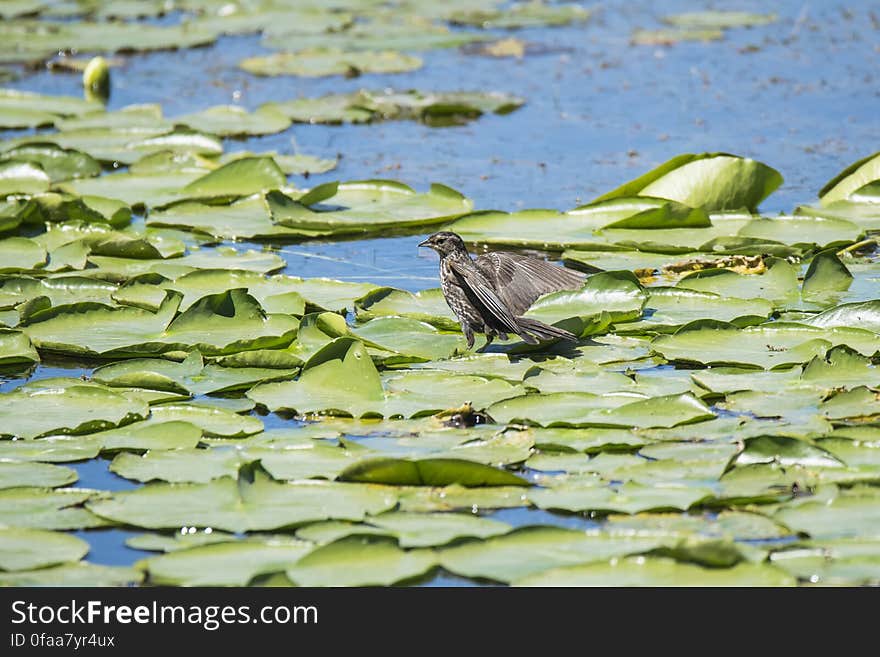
801 95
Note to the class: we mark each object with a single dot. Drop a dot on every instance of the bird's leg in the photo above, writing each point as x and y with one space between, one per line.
489 338
469 334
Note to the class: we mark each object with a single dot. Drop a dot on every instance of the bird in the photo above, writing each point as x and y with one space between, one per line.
490 293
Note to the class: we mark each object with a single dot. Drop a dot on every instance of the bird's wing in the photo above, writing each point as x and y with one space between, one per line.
520 280
474 280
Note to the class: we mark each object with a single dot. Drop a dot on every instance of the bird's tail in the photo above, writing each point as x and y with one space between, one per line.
531 331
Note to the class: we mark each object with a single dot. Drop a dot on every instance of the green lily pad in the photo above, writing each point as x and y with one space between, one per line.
234 121
611 410
429 472
127 145
629 498
220 258
410 339
778 284
361 560
244 505
223 564
423 499
430 529
75 409
770 346
713 181
14 474
45 508
218 324
191 376
617 293
240 177
865 315
27 101
668 37
34 41
852 178
319 62
130 116
522 15
719 19
653 571
153 434
346 361
370 205
398 32
786 451
135 188
58 163
854 513
179 465
841 562
16 350
668 308
390 105
53 449
425 306
826 278
800 230
20 254
79 574
22 177
530 550
27 549
214 421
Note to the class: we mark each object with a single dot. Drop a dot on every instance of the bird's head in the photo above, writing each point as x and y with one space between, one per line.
445 242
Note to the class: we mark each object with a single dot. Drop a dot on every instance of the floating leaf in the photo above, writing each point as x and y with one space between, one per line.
191 376
854 177
713 181
429 472
642 571
73 409
45 508
16 350
841 562
719 19
586 409
234 121
865 315
246 505
218 324
802 230
853 513
58 163
22 177
237 178
668 37
769 346
425 306
15 474
360 560
80 574
389 105
669 308
522 15
223 564
319 62
530 550
26 549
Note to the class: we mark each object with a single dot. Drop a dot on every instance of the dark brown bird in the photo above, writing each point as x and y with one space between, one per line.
489 294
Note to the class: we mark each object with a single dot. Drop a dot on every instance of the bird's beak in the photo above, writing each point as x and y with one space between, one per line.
427 242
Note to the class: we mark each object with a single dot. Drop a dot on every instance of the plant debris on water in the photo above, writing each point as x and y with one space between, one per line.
716 422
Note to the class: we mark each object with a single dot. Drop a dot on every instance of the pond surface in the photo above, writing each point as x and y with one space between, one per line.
801 94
